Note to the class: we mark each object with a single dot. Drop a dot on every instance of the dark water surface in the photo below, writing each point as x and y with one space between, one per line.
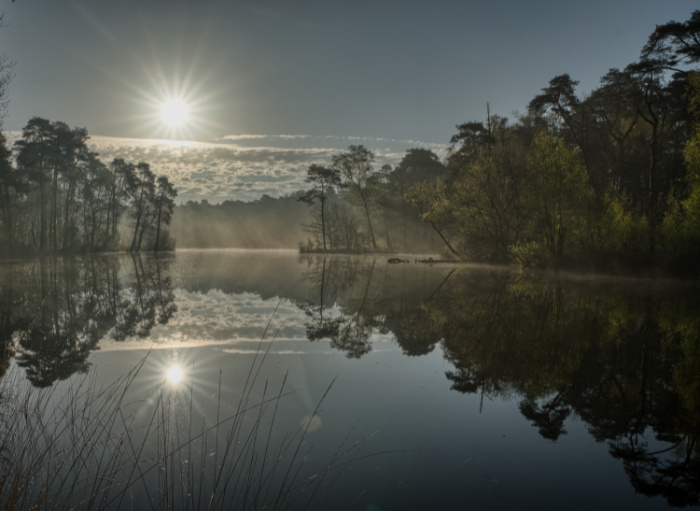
425 386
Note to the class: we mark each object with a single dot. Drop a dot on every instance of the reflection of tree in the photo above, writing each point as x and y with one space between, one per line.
322 325
150 300
67 326
412 328
350 331
673 473
9 323
548 416
358 322
352 298
411 324
54 312
626 365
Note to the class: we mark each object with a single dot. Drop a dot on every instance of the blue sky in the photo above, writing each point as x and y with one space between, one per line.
306 74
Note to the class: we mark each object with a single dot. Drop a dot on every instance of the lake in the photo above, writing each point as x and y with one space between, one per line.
343 382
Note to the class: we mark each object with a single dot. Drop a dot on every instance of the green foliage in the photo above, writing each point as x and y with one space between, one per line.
681 222
511 201
528 254
487 196
556 195
625 233
435 207
597 181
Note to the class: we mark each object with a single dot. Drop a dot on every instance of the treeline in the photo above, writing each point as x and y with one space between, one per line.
56 196
611 178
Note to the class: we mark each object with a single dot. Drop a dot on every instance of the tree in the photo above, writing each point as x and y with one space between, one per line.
681 224
73 160
324 181
674 44
617 117
488 193
10 185
416 166
59 196
560 99
123 186
469 138
141 202
52 152
434 206
356 166
652 102
34 153
164 207
556 194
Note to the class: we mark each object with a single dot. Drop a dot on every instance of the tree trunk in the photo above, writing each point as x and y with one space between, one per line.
54 210
160 208
369 222
42 219
139 212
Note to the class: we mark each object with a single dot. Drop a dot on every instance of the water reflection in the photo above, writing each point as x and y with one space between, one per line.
349 301
621 362
625 360
54 312
174 374
623 357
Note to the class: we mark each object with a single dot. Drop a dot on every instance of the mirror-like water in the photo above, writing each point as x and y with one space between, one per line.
246 379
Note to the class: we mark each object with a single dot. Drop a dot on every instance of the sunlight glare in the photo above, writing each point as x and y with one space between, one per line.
174 112
174 374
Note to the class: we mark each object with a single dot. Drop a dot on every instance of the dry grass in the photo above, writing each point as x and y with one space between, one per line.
84 449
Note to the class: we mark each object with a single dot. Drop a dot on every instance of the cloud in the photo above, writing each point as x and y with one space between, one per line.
340 142
244 166
243 323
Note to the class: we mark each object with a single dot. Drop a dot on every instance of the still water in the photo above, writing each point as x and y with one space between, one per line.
269 379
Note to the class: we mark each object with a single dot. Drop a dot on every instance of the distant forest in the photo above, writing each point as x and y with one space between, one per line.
602 180
372 213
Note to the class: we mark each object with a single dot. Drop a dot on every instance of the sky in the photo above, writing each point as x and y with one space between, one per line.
272 86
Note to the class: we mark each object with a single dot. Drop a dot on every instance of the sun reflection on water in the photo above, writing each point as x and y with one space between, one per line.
174 374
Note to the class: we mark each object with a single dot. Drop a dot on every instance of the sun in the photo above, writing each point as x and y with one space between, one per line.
174 113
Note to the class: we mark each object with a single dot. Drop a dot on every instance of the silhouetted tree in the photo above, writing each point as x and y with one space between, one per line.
141 203
674 44
356 167
33 158
164 206
324 182
60 197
